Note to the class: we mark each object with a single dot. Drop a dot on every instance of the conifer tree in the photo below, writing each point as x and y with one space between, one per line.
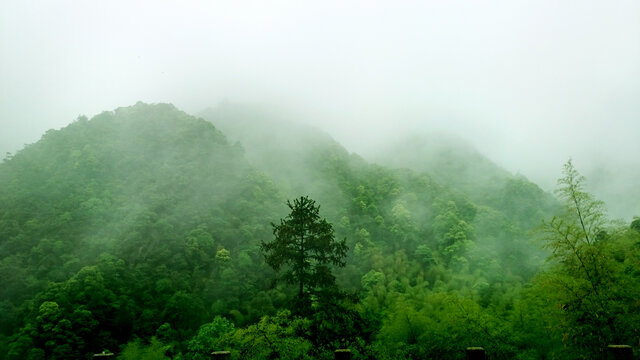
304 244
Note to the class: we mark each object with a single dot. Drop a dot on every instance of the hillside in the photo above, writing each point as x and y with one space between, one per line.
288 151
453 161
144 200
139 231
505 208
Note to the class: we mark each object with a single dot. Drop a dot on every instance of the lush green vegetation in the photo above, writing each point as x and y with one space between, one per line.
146 232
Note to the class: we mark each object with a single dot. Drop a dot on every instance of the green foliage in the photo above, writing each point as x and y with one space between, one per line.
439 326
453 232
137 351
278 337
119 219
587 283
183 311
305 243
635 224
128 231
206 341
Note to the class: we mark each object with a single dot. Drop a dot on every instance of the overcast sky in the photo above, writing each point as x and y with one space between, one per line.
530 83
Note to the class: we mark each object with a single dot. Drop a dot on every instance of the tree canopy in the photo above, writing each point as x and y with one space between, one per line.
144 231
588 282
305 244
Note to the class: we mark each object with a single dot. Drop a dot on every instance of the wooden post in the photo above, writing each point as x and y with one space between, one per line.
103 355
220 355
619 352
475 353
343 354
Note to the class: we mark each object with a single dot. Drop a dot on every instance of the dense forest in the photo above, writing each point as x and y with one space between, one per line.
153 234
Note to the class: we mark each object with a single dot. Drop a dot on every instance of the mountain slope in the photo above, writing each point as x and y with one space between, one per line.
145 223
146 203
501 208
452 161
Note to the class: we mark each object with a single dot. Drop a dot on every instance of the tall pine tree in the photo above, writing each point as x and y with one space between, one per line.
305 246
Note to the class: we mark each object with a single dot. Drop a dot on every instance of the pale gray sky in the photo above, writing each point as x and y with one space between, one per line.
530 83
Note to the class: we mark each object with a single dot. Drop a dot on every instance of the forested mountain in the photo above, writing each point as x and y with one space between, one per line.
295 155
452 161
504 208
139 232
123 218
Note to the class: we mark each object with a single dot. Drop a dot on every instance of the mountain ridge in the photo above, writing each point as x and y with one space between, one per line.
162 215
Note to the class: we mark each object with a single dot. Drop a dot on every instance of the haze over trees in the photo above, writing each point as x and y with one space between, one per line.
151 233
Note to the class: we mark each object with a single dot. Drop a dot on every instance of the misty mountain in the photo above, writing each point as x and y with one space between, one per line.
142 161
448 159
451 160
145 223
348 210
145 200
288 151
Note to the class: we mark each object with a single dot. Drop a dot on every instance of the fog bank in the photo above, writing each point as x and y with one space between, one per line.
530 84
